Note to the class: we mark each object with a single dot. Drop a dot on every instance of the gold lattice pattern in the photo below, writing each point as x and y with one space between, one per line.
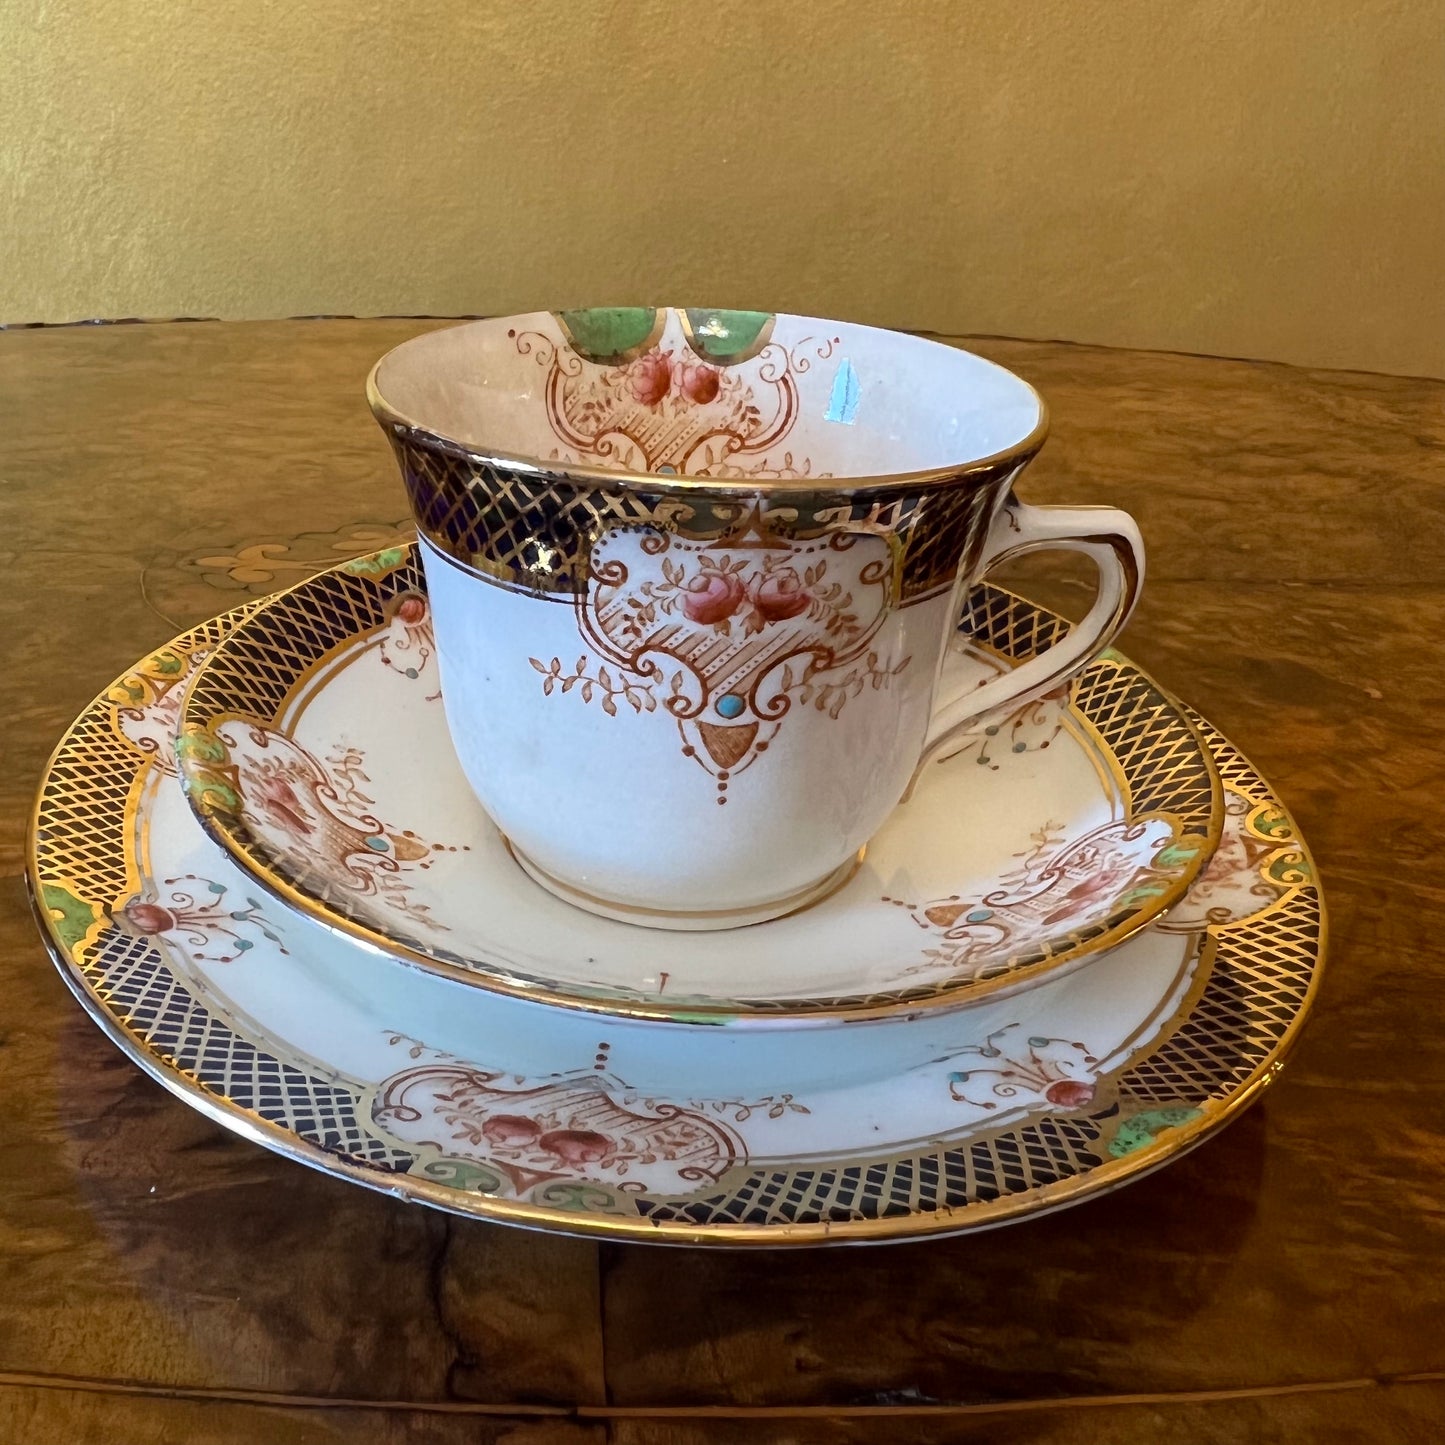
292 632
535 531
993 619
1251 1004
1163 762
1011 1161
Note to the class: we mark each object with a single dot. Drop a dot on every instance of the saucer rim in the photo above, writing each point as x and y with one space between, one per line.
740 1014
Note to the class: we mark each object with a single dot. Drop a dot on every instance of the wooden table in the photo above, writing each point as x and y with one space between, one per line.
165 1281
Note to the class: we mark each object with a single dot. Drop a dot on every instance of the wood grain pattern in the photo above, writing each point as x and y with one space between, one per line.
97 1417
1402 1414
1296 595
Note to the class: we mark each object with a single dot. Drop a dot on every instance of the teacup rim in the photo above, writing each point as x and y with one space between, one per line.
1013 457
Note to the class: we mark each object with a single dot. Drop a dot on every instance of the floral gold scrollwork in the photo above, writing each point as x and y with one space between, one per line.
462 1174
209 776
632 399
1024 1071
147 702
583 1198
312 811
1256 862
1289 869
198 914
1059 889
581 1132
1269 820
725 637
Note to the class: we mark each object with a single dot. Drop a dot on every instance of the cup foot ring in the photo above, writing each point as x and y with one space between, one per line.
699 921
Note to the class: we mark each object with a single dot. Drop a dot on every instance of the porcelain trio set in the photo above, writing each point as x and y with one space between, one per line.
681 840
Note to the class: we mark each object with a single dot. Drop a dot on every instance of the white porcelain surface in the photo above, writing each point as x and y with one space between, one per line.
629 807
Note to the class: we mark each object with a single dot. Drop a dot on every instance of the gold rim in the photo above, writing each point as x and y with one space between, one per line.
502 978
1171 1143
394 420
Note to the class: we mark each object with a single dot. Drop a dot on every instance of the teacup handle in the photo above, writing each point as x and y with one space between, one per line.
1105 534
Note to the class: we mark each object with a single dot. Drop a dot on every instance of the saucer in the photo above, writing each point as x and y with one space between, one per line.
497 1107
315 750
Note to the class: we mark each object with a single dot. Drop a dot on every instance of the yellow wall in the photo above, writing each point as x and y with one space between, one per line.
1232 176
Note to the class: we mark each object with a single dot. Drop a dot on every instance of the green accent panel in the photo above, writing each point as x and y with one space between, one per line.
75 914
1179 852
1139 1131
462 1174
378 564
1290 869
584 1198
1145 891
211 793
200 746
606 333
1272 822
724 335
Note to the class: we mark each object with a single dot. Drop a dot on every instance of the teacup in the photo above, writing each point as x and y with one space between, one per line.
695 576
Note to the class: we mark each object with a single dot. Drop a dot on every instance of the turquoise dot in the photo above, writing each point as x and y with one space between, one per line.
730 705
980 915
377 844
1021 747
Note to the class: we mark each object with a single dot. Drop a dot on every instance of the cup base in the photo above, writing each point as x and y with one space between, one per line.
689 921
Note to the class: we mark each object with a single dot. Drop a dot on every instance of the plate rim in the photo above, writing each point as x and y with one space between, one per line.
1171 1142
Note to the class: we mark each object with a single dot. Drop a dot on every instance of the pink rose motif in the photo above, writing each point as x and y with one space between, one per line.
712 597
576 1146
510 1129
1087 891
279 801
1070 1093
650 377
779 595
149 917
699 383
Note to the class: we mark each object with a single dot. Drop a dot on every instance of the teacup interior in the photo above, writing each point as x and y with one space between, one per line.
702 392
